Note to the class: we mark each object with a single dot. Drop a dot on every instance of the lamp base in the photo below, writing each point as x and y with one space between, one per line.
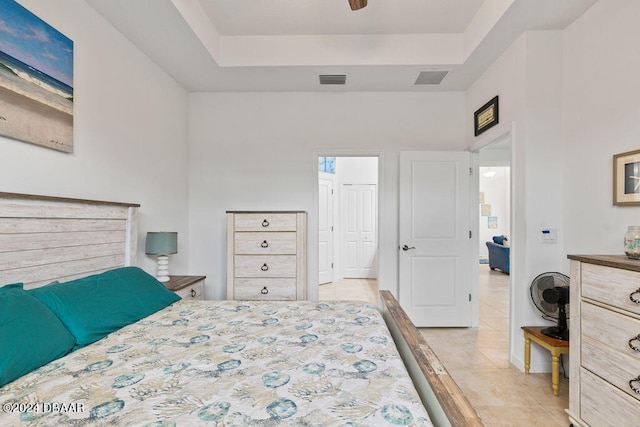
162 273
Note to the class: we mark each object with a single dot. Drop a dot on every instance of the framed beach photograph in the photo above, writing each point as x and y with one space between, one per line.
626 178
485 117
36 80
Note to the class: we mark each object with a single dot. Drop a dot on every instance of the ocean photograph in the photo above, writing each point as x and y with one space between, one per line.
36 80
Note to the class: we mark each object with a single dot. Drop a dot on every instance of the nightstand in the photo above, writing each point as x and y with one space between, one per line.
188 287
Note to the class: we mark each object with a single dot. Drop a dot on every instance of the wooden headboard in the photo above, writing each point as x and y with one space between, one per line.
44 238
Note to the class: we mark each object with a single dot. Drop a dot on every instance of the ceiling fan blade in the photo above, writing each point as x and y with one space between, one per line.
357 4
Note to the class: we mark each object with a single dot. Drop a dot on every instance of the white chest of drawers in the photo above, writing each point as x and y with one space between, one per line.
266 255
604 341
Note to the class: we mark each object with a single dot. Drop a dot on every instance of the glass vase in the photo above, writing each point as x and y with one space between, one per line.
632 242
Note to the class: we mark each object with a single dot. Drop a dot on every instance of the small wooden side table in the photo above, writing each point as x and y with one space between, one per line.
188 287
555 346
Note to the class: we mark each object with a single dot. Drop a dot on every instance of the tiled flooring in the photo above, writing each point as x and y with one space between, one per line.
350 289
478 358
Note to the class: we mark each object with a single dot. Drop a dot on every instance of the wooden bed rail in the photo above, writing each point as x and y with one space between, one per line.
456 409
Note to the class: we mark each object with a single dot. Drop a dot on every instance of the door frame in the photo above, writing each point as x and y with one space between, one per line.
312 271
517 230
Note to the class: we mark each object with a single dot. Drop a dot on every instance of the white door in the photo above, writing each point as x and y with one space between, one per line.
435 239
325 231
359 223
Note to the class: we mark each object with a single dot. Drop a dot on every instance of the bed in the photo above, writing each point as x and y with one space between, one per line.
163 361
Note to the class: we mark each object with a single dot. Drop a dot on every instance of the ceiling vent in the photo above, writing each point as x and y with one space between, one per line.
333 79
431 77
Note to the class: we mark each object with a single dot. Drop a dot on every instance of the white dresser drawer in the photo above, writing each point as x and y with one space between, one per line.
617 331
267 221
613 286
195 292
265 243
265 289
604 405
187 287
265 266
614 366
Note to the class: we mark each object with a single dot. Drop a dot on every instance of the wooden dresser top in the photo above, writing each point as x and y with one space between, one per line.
615 261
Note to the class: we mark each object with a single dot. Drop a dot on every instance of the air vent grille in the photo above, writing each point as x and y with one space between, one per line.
431 77
333 79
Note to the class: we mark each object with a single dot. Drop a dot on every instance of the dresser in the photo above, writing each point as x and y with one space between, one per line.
266 255
187 287
604 388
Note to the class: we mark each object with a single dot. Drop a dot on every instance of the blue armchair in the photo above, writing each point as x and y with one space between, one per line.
498 254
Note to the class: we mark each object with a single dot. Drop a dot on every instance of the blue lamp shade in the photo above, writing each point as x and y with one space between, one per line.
162 243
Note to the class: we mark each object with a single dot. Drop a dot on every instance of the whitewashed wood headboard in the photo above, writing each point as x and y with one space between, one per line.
44 238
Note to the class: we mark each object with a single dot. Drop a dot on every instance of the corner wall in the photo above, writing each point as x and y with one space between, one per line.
528 79
129 132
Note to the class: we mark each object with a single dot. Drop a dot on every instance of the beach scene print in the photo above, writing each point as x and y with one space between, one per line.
36 80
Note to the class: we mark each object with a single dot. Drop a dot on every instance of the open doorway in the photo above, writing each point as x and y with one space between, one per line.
495 239
348 228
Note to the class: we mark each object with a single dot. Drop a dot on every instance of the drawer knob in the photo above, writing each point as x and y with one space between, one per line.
635 384
193 293
264 267
635 296
634 343
265 223
264 244
264 291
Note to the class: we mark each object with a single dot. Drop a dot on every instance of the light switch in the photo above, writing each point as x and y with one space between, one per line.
549 235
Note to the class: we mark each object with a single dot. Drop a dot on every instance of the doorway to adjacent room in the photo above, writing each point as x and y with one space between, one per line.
348 228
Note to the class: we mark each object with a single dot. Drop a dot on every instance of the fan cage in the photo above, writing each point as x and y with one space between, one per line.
547 281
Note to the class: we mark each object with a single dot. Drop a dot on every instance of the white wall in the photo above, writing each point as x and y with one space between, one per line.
130 123
601 110
252 151
528 79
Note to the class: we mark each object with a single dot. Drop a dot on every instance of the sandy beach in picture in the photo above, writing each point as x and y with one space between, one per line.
27 120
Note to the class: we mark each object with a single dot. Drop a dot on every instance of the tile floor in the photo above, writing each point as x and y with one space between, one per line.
477 358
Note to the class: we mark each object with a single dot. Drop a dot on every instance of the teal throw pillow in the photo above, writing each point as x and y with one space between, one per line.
30 334
94 306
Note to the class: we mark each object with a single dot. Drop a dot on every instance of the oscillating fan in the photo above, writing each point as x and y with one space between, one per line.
550 295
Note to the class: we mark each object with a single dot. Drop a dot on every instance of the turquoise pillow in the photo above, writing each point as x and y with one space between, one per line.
94 306
30 334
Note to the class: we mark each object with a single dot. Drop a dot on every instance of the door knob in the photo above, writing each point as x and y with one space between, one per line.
406 248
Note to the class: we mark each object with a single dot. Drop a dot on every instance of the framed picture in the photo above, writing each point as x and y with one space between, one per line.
485 209
36 80
485 117
492 222
626 178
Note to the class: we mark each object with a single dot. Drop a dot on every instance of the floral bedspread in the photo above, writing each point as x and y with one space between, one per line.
227 363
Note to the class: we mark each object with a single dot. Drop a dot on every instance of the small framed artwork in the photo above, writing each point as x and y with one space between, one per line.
626 178
485 209
485 117
492 222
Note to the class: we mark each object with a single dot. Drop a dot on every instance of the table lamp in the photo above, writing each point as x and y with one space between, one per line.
162 243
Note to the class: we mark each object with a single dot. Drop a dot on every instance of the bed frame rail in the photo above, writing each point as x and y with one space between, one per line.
442 397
